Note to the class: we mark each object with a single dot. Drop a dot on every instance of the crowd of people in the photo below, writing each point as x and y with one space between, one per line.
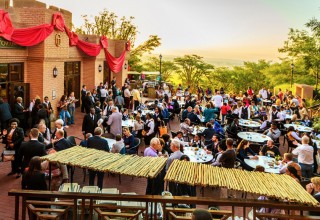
107 107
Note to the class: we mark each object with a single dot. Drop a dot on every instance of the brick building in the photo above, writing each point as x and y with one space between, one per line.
30 69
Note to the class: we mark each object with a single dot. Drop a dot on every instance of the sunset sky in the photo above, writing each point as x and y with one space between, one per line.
224 29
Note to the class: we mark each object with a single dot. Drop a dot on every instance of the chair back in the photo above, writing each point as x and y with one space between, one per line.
136 142
173 134
255 148
108 135
72 140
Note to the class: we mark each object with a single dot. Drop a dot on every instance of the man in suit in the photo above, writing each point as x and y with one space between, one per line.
89 122
59 143
48 104
30 149
115 122
99 143
19 113
5 114
83 95
88 102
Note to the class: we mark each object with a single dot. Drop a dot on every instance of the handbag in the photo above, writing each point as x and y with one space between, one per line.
143 133
8 155
163 129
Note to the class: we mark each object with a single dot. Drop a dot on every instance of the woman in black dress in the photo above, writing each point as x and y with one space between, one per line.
34 178
13 138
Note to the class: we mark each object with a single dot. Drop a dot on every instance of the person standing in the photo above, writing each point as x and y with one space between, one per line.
127 95
153 151
115 122
5 114
98 143
228 157
103 96
19 112
13 139
136 98
89 122
88 102
72 107
30 149
305 157
83 95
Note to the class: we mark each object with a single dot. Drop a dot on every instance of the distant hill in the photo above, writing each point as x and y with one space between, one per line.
213 61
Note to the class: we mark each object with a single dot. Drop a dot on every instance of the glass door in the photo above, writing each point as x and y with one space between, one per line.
72 79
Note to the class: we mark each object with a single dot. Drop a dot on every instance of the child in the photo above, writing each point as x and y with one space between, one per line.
195 142
118 147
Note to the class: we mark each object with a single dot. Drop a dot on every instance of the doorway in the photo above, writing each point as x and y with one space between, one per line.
106 73
72 79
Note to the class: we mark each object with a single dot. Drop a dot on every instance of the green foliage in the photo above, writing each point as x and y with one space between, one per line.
192 69
108 24
167 67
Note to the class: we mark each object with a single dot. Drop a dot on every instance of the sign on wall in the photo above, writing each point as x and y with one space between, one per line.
9 45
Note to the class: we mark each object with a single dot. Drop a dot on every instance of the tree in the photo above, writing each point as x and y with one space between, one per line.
108 24
192 69
167 67
305 45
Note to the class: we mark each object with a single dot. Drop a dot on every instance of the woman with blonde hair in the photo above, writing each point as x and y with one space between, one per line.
314 189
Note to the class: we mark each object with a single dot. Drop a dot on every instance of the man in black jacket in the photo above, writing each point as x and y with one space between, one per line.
83 95
99 143
228 157
59 143
19 113
30 149
5 114
89 122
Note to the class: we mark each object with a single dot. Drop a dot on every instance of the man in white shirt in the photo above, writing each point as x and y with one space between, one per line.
305 157
287 160
263 92
218 100
273 132
103 95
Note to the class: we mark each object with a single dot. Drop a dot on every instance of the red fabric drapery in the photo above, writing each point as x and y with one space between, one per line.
34 35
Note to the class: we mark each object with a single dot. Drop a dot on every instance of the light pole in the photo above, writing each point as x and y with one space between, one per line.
292 67
160 57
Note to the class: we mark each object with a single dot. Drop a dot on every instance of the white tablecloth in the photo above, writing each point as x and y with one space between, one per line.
199 156
144 112
196 131
249 123
253 137
127 123
263 161
300 128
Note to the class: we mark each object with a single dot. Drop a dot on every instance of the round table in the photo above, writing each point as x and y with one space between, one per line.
200 130
110 142
128 123
300 128
253 137
249 123
144 112
199 156
263 161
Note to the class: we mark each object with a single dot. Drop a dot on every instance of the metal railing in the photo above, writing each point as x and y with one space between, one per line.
150 203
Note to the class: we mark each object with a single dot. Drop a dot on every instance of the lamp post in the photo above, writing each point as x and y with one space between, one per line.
160 57
292 67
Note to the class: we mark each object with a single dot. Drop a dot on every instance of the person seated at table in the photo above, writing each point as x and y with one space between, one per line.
306 121
208 133
314 189
128 140
228 157
208 113
292 135
193 118
262 112
274 115
213 147
84 143
273 132
179 136
232 130
197 110
186 112
283 112
288 161
186 127
217 156
254 110
270 149
118 147
217 127
242 152
138 126
148 130
125 114
196 142
265 124
143 106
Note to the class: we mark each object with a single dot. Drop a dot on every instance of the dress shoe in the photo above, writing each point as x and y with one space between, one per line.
11 173
18 176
